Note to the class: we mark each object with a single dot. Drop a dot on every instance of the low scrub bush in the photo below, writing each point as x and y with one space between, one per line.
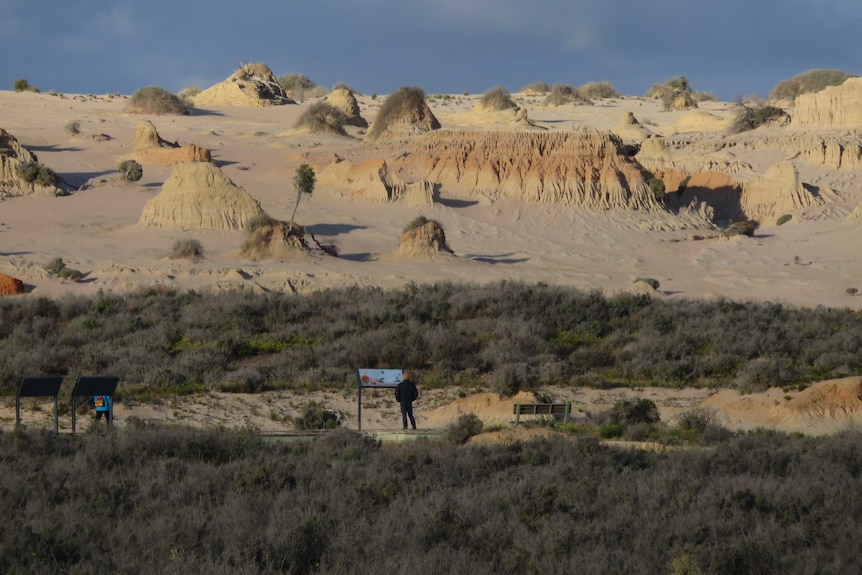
37 173
808 82
652 282
315 416
58 268
748 117
743 228
186 248
497 99
72 127
416 222
598 90
561 94
462 429
783 219
22 85
537 87
632 411
322 117
130 170
406 102
156 100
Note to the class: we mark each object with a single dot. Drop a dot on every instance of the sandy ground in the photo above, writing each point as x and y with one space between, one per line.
823 408
810 261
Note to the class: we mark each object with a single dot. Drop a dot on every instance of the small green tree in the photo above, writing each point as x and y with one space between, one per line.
303 183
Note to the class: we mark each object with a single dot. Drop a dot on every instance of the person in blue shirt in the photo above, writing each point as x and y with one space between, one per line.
102 405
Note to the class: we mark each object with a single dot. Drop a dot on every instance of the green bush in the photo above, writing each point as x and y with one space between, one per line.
748 117
497 99
186 248
698 420
462 429
561 94
37 173
598 90
58 268
631 411
657 188
538 87
21 85
610 430
408 102
130 170
322 117
416 222
295 82
808 82
314 416
783 219
156 100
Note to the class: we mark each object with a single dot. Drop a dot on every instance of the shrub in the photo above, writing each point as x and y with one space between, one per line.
852 290
538 87
72 127
657 188
345 86
610 430
743 228
596 90
698 419
322 117
186 248
462 429
748 117
57 267
561 94
652 282
417 222
406 102
808 82
314 416
21 85
633 411
131 170
510 378
36 173
156 100
784 219
295 82
497 99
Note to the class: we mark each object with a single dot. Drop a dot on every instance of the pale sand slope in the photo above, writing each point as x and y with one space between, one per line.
823 408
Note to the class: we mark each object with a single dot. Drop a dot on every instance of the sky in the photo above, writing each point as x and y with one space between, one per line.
730 48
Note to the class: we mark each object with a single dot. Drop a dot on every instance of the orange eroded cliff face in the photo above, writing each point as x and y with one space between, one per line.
584 168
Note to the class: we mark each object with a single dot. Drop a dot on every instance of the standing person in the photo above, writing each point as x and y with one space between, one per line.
102 405
405 394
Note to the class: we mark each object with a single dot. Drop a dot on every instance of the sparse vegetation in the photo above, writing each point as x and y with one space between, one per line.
462 429
296 85
784 219
322 117
497 99
852 291
598 90
233 502
37 173
561 94
315 416
505 336
57 267
743 228
406 102
186 248
22 85
416 222
750 116
675 89
303 183
72 127
537 88
657 188
130 170
156 100
808 82
344 86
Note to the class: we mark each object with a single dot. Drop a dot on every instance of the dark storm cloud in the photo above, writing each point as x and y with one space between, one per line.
733 47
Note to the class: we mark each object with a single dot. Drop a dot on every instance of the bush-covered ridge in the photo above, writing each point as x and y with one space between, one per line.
453 334
150 500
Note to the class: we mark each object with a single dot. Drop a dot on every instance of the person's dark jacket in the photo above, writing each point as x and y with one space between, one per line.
406 392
